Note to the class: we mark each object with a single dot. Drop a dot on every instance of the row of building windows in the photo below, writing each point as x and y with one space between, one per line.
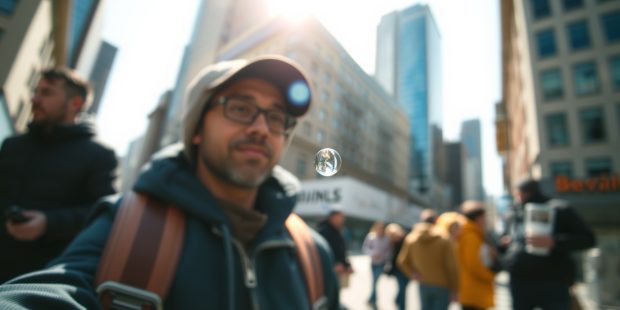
542 8
585 79
591 121
578 35
594 167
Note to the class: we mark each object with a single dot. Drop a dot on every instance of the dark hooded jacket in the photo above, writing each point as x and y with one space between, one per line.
213 271
570 234
336 242
62 173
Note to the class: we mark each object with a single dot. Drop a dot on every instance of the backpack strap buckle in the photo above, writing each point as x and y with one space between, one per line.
118 296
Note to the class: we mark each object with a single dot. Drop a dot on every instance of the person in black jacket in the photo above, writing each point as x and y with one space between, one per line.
54 172
543 280
331 229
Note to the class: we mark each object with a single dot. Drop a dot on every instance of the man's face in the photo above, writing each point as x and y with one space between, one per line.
240 154
50 104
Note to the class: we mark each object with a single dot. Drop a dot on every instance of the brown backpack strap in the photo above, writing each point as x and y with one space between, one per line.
141 253
308 257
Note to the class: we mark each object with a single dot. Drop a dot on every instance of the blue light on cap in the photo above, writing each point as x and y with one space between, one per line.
299 93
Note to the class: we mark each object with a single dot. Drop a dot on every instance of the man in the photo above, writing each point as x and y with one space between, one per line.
477 280
237 253
331 229
543 280
428 255
54 173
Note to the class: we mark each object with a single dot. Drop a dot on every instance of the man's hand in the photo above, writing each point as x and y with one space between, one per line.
30 230
540 241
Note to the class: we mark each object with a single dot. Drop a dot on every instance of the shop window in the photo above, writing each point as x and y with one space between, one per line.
600 166
561 168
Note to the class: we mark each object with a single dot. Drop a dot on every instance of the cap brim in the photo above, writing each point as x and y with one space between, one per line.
285 75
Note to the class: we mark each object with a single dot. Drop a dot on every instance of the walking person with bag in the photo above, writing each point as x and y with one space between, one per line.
237 243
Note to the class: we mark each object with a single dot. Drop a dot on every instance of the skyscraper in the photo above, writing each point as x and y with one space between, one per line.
408 66
100 73
470 137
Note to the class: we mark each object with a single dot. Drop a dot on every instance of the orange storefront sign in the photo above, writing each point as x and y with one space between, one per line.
601 184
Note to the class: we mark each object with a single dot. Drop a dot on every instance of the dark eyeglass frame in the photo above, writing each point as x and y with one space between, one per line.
289 121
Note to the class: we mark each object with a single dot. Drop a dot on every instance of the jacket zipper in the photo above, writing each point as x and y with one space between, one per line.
248 264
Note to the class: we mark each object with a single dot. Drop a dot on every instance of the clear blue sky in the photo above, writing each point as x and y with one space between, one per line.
151 35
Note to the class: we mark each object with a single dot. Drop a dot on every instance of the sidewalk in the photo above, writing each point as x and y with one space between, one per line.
355 296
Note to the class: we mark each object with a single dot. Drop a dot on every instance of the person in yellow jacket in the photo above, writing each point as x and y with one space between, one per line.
475 257
427 255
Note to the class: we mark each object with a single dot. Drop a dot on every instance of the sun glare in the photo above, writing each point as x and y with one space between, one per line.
293 10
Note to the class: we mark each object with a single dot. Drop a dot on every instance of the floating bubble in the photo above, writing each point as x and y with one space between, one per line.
327 162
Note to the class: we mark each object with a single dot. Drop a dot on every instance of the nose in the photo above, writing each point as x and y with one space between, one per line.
259 125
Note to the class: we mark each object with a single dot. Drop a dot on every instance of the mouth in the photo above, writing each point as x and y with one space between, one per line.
254 151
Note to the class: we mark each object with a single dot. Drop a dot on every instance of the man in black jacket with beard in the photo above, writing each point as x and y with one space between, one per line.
543 280
54 172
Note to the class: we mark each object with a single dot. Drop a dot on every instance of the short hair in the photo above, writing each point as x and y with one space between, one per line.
428 216
472 209
74 85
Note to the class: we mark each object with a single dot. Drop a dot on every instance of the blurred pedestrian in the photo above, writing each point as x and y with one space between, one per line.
377 246
331 229
450 224
542 279
397 236
428 256
475 256
51 175
233 201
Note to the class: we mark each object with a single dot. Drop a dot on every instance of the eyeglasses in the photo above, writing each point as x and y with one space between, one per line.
245 111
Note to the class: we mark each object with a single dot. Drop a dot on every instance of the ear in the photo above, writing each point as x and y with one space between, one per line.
196 138
77 103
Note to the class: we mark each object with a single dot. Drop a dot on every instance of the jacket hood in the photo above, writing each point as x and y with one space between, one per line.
469 227
426 233
170 177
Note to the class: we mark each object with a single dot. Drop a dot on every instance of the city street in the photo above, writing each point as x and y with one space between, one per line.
355 296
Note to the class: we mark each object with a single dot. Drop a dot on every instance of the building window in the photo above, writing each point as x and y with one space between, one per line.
600 166
552 85
546 43
561 168
541 8
557 130
585 78
611 26
7 7
578 35
614 66
592 125
572 4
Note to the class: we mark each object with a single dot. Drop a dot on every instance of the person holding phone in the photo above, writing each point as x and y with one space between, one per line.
50 175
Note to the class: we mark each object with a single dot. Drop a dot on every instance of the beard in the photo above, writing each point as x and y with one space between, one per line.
245 174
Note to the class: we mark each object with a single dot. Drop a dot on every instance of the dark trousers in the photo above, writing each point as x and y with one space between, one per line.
465 307
546 295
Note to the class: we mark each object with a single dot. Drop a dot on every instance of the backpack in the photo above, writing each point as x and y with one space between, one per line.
141 255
